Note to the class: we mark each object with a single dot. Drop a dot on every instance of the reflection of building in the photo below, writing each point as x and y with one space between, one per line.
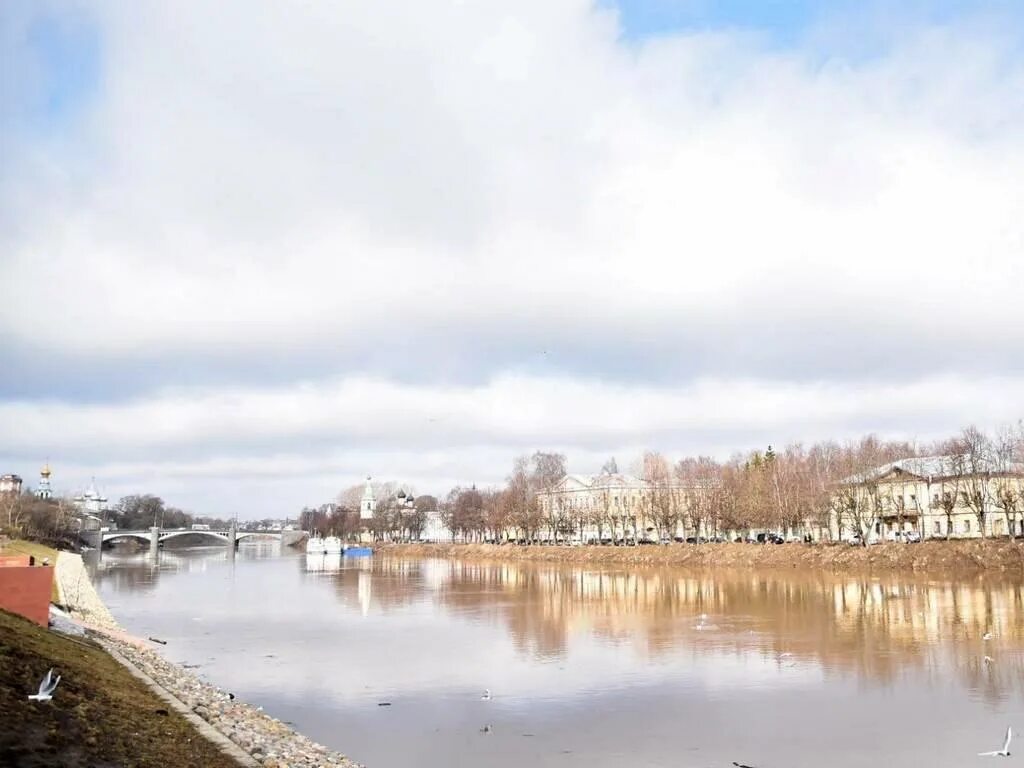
10 484
44 491
934 496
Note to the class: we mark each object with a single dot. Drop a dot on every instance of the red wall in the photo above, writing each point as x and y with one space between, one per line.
26 591
8 561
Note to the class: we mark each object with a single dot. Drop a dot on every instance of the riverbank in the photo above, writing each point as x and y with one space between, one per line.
257 738
965 556
100 714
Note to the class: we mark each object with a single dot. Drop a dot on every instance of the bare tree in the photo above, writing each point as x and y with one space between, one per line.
976 458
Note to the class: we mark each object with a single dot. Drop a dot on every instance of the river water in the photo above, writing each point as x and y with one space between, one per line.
589 666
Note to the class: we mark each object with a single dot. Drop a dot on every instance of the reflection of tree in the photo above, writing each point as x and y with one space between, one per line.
878 629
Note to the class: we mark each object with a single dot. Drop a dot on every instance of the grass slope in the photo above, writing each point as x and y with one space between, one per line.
100 716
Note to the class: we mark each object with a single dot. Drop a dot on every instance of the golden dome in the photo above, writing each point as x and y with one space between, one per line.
45 471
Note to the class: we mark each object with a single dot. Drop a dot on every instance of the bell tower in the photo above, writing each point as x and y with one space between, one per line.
44 491
367 504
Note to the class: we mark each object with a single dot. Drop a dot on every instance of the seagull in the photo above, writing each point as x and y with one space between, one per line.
741 765
486 729
487 695
46 687
1005 751
988 659
987 636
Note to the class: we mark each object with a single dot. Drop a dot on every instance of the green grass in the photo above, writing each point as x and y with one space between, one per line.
100 714
22 547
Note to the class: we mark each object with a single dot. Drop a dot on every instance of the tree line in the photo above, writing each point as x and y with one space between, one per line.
58 519
789 489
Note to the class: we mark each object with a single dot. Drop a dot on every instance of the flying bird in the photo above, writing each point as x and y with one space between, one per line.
1005 751
46 687
487 695
741 765
988 659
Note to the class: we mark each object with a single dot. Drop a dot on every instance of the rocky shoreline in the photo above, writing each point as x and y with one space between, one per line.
268 741
973 556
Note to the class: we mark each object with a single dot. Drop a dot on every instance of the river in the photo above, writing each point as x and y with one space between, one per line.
589 666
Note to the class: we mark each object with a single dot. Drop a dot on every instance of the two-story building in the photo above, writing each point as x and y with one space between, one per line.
10 484
613 507
932 496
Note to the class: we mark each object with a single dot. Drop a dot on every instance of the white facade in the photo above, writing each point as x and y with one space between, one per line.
907 496
366 506
91 502
434 529
613 507
44 491
10 484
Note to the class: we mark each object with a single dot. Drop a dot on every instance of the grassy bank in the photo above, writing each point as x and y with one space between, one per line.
926 557
100 714
39 551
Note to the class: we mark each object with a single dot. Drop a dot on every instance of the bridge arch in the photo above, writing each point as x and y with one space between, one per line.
212 534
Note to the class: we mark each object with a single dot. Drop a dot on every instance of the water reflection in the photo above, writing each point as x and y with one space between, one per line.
567 648
139 571
875 627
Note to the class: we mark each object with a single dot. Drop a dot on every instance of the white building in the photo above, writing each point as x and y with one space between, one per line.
44 491
434 529
10 484
931 496
91 502
368 503
614 506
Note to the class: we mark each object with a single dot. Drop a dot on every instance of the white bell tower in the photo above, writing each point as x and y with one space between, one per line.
367 504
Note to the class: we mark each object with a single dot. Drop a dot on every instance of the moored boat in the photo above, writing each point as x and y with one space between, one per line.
332 545
315 546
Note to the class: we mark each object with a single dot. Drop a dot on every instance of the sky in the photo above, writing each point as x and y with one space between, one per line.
252 252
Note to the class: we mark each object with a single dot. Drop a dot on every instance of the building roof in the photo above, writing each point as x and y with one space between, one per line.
617 480
933 466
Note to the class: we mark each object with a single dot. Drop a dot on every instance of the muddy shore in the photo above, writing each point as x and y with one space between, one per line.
932 557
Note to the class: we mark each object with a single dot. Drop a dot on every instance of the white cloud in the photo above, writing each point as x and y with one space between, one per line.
310 440
252 180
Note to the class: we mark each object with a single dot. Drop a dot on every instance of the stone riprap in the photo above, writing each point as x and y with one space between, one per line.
77 595
269 741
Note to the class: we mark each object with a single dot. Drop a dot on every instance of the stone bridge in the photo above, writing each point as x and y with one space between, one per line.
157 536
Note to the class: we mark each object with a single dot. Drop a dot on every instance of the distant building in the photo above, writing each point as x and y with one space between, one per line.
434 529
611 506
366 506
44 491
932 497
90 502
10 484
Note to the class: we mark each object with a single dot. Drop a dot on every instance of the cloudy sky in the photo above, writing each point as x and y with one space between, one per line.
252 251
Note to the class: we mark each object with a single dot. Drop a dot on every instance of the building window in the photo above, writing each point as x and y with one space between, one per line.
938 526
967 526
